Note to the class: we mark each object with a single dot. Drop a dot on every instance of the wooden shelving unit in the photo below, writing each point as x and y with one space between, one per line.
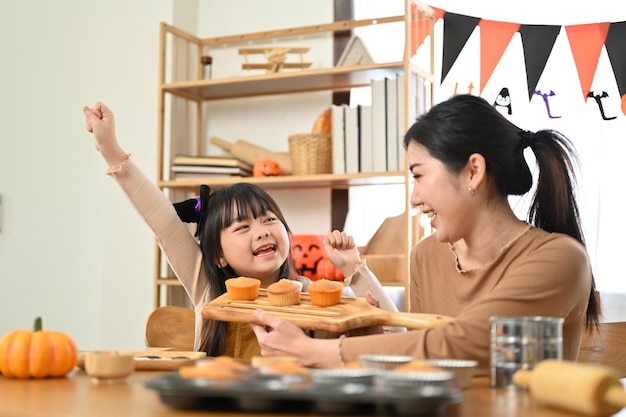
180 76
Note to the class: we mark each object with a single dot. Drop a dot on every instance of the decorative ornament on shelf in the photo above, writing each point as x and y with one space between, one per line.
266 168
355 53
276 58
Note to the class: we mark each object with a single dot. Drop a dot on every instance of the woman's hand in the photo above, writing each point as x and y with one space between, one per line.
341 250
278 337
99 120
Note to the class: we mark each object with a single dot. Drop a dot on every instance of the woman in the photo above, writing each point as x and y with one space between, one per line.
466 159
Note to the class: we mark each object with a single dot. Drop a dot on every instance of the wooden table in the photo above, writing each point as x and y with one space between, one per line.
75 395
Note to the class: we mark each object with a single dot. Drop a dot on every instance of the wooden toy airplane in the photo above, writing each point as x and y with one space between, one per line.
276 57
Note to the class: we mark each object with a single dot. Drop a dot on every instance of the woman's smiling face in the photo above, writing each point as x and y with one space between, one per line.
438 193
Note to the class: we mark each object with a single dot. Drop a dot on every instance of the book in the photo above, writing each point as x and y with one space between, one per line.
402 117
391 103
337 139
379 130
212 160
211 170
351 129
366 139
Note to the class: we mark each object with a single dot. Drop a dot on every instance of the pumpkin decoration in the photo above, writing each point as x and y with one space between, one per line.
266 168
37 354
326 269
307 251
310 260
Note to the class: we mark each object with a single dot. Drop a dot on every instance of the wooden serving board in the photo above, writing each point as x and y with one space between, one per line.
157 359
351 313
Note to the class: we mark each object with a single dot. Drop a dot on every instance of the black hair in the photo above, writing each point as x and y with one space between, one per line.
454 129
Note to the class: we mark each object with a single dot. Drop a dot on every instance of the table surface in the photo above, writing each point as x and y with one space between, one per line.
76 395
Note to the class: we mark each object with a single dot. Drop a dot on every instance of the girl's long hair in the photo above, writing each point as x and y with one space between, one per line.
227 205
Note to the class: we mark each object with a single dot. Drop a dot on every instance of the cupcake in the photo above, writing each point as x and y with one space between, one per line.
243 288
325 292
284 292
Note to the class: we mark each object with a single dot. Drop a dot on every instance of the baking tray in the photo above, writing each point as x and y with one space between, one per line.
157 360
286 394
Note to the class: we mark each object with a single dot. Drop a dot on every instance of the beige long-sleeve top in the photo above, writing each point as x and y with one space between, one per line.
538 274
185 257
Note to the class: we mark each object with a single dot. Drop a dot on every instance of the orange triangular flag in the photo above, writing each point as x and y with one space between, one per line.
586 42
494 39
420 28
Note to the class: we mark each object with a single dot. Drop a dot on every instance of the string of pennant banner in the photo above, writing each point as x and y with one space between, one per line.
585 40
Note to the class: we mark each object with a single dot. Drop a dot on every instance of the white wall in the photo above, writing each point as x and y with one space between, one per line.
71 248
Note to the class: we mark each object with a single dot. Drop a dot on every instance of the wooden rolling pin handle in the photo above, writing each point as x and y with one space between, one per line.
616 396
522 377
221 143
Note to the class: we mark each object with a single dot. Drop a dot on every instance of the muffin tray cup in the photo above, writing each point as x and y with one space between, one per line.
288 394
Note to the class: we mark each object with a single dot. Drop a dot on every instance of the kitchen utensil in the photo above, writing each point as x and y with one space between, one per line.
519 342
251 153
586 389
351 313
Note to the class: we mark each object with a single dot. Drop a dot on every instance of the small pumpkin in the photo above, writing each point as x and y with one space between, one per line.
307 251
326 269
266 168
37 354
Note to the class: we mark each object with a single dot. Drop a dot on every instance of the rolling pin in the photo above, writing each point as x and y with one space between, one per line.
583 388
251 153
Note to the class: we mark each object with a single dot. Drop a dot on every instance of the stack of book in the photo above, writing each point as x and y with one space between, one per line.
210 166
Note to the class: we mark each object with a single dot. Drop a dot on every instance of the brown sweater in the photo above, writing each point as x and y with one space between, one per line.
538 274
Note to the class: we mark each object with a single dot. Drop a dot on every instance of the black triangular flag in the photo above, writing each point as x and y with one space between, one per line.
617 53
456 31
537 41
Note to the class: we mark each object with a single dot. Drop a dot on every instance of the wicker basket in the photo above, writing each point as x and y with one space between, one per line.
311 153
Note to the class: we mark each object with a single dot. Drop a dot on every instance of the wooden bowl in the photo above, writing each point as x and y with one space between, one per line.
109 367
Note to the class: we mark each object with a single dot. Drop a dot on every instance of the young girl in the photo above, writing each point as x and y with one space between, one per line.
241 230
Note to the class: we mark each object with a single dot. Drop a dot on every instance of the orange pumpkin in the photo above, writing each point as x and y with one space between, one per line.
307 251
37 354
326 269
266 168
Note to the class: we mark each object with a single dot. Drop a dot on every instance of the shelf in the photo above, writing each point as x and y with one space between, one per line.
168 281
334 181
323 79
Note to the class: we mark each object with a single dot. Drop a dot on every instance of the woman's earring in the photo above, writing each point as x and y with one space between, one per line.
471 190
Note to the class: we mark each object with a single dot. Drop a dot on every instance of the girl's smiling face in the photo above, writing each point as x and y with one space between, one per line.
438 193
256 247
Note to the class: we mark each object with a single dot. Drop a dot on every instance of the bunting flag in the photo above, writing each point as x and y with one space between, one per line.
586 42
494 39
420 27
617 54
456 31
537 42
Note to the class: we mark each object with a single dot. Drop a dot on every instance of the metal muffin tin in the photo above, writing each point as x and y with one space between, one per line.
319 393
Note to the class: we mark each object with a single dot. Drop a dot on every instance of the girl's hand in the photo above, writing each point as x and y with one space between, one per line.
99 120
341 250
